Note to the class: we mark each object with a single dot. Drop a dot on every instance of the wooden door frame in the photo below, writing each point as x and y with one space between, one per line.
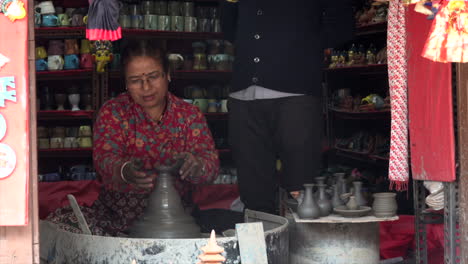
20 244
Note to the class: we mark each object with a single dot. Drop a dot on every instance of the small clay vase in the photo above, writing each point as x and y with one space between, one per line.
323 203
385 204
336 200
60 99
357 193
352 204
308 209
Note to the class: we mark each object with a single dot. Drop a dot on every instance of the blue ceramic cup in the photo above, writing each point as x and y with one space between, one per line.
49 20
41 65
72 62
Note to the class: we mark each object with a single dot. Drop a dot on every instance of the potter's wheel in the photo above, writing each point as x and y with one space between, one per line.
345 212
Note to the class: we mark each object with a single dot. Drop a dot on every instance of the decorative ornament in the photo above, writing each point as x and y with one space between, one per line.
211 252
13 9
3 60
102 54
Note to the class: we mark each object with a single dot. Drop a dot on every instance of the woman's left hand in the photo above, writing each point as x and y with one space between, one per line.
192 167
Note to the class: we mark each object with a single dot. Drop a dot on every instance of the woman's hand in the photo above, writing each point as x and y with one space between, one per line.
192 168
133 174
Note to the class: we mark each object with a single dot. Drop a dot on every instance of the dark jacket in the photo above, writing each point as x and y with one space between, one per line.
279 44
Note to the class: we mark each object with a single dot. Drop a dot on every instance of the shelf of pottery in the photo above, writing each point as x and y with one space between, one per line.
357 96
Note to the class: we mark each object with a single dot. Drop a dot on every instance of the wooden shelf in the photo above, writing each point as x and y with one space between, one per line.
60 32
369 29
371 68
64 74
384 114
64 115
135 33
66 152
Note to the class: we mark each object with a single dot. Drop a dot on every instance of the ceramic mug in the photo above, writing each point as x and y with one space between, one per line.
64 20
224 106
70 142
45 8
58 132
56 47
55 63
174 8
85 131
188 9
164 23
150 22
42 132
37 20
41 65
189 101
71 132
86 61
71 46
199 61
177 23
85 46
175 61
43 143
77 20
202 104
85 142
204 25
72 62
56 142
212 107
190 24
216 25
49 20
136 21
125 21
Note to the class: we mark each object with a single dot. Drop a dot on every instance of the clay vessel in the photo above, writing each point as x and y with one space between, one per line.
357 193
336 200
323 203
165 216
352 204
385 204
308 209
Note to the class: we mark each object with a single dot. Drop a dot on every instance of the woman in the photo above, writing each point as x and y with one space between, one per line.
135 132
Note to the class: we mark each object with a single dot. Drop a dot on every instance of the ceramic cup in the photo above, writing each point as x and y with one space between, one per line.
72 62
160 8
216 25
41 52
58 132
384 204
85 142
55 63
134 10
45 8
41 65
150 22
212 107
49 20
204 25
71 46
70 142
164 23
60 100
42 132
37 20
74 100
56 47
77 20
175 61
189 101
43 143
86 61
136 21
190 24
85 131
69 11
188 9
174 8
199 61
85 46
71 131
223 62
202 104
64 20
177 23
56 142
224 106
125 21
147 7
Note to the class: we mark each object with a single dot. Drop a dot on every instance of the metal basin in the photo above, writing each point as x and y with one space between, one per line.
59 246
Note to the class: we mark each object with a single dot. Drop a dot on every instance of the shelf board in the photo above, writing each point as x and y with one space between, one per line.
127 32
384 114
216 116
64 74
64 115
369 29
370 68
186 75
66 152
60 32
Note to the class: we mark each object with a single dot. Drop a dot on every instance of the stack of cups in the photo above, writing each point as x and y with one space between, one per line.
72 61
86 59
55 60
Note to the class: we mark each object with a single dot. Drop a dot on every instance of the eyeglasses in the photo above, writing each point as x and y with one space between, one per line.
150 78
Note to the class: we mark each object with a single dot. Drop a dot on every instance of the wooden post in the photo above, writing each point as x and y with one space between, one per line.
462 105
21 244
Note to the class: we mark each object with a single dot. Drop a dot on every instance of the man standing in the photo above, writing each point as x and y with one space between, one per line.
275 101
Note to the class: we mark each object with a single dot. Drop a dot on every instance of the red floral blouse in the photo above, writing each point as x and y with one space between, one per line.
124 131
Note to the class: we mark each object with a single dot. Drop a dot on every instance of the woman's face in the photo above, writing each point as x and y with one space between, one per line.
146 81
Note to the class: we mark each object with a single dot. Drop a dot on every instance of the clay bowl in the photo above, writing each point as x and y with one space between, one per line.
345 212
292 203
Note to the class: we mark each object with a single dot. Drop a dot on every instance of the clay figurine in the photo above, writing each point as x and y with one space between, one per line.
211 252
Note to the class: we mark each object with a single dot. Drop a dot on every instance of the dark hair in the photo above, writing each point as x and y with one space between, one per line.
147 48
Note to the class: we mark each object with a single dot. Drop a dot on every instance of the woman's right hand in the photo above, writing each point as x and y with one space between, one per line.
133 174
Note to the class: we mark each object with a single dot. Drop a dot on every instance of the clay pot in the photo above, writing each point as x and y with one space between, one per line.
385 204
357 193
323 203
308 209
336 200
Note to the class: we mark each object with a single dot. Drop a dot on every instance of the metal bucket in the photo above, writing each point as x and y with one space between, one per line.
59 246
